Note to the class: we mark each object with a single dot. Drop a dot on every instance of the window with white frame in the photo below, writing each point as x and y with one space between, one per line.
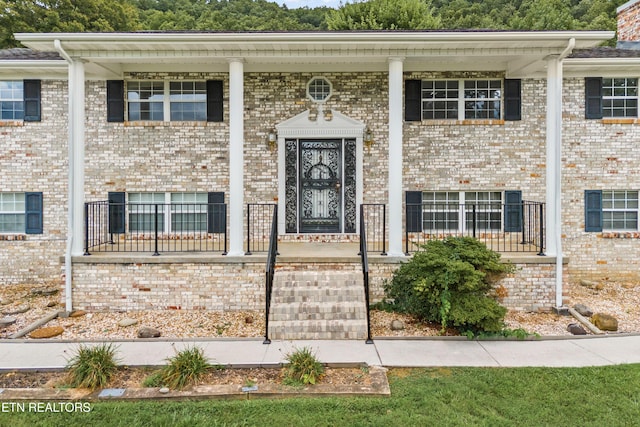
177 100
12 212
11 100
457 211
319 89
176 212
620 210
461 99
620 97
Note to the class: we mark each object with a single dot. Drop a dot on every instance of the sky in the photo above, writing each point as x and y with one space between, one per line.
294 4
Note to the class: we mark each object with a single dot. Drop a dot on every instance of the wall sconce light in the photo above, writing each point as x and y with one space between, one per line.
367 138
272 139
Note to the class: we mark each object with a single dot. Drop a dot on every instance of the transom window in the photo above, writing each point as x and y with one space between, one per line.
461 99
620 210
620 97
457 211
178 100
319 89
176 212
12 213
11 100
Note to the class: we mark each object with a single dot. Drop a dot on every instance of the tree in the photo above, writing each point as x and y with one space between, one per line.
545 15
64 16
384 15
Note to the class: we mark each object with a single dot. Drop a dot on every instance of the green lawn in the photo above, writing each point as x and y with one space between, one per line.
606 396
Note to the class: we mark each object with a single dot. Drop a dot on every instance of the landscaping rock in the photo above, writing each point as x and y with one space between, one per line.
5 301
51 304
77 313
583 310
164 390
599 287
147 332
16 310
48 332
126 322
588 283
397 325
7 321
44 291
248 320
576 329
605 322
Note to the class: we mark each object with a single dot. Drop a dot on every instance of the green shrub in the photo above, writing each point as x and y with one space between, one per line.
92 367
303 367
449 282
185 368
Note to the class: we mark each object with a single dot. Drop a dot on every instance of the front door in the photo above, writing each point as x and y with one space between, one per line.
320 186
320 169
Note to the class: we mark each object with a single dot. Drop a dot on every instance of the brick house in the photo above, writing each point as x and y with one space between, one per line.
129 145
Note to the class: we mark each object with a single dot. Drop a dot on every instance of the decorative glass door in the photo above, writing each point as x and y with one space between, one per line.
320 186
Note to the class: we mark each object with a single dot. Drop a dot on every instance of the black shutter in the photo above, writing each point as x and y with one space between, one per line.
593 97
413 201
115 101
512 99
33 213
513 211
215 101
216 213
32 89
593 210
413 100
116 212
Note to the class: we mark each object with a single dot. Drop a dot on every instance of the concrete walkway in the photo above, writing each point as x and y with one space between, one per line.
573 352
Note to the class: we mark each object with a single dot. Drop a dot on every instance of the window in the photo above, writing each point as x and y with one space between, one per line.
11 100
178 100
12 213
21 213
620 210
620 97
177 212
461 99
319 89
446 210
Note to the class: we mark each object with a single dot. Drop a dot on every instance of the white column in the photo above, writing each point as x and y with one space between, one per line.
236 157
554 168
395 157
76 154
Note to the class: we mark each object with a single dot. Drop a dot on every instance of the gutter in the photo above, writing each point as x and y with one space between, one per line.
68 268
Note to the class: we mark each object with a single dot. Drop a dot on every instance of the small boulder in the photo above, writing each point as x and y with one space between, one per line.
576 329
126 322
44 291
48 332
77 313
9 311
397 325
583 310
147 332
7 321
51 304
164 390
605 322
248 320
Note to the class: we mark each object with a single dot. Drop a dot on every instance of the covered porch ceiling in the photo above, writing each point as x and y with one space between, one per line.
518 54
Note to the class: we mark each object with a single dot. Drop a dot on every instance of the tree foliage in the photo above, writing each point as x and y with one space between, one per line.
265 15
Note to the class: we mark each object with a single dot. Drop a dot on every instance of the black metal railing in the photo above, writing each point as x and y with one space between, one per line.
517 227
155 227
259 226
365 269
270 271
374 216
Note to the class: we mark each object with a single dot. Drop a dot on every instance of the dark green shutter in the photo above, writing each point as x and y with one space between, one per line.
413 100
33 213
116 212
215 101
115 101
32 96
513 211
512 99
216 213
593 97
593 210
413 201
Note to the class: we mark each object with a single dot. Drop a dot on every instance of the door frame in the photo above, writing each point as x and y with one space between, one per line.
304 126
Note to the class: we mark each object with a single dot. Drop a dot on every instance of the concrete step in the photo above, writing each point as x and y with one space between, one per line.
318 329
318 311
